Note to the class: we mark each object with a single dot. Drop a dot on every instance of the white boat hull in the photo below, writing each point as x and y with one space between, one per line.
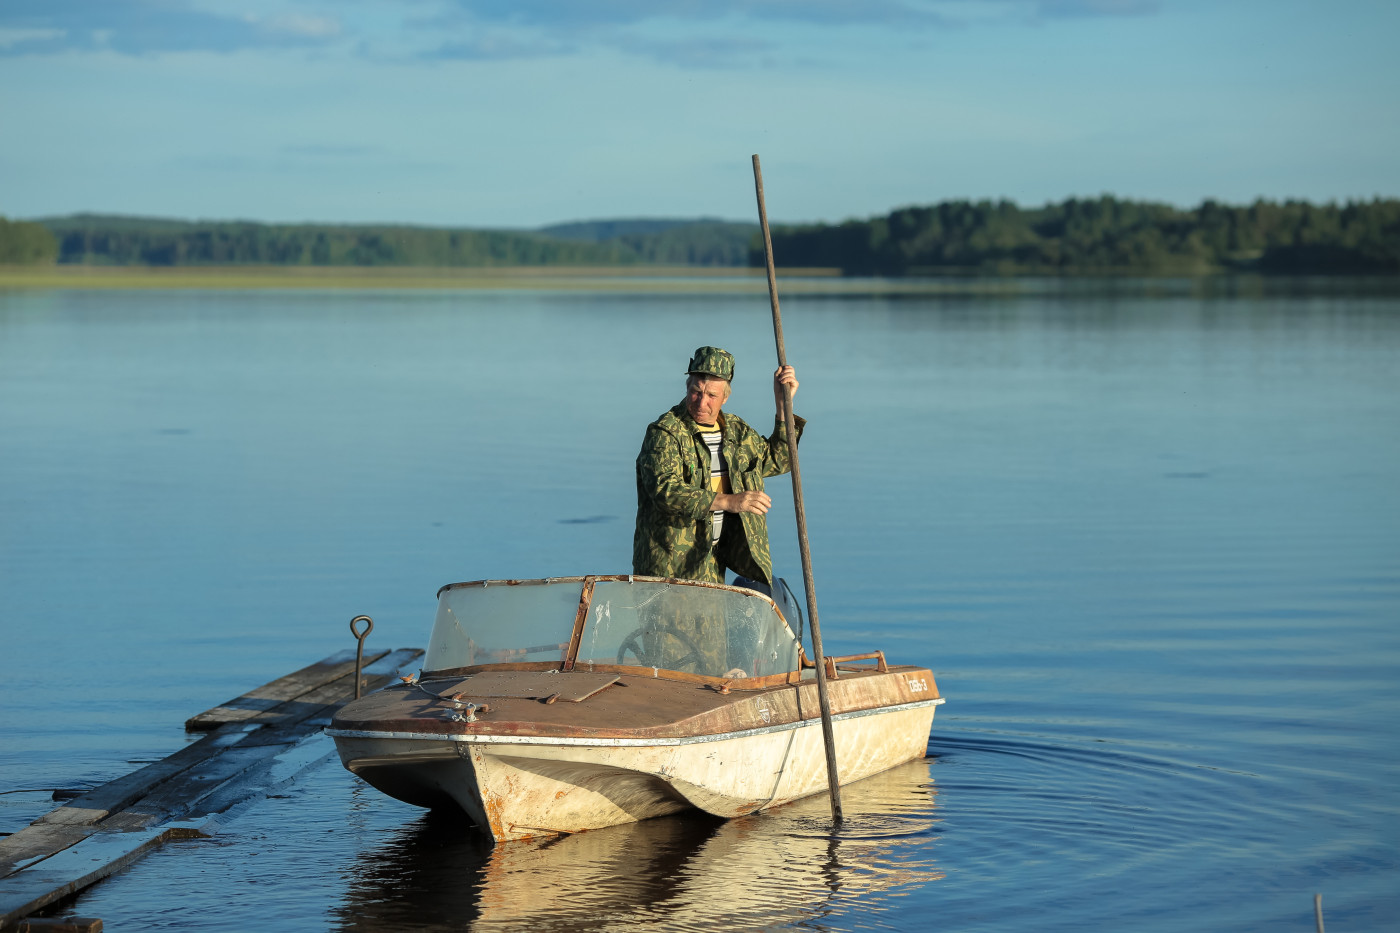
521 786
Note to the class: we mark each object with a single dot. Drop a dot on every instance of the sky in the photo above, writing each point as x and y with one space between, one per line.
521 113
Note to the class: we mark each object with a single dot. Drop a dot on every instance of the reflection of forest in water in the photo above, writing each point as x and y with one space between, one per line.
782 866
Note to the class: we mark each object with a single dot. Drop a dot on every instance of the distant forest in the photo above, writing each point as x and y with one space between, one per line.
25 244
95 239
1100 236
1104 236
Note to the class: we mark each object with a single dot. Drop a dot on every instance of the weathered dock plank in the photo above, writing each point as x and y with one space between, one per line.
38 841
277 726
75 868
265 778
181 796
277 692
106 828
59 925
80 818
100 802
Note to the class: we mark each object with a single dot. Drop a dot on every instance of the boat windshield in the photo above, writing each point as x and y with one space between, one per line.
696 629
703 630
496 623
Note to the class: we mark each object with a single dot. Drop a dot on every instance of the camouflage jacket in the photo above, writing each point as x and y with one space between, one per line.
674 499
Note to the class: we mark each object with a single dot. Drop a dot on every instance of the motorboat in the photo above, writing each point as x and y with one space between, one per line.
573 703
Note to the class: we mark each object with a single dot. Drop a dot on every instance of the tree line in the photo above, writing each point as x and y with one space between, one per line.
1095 236
106 240
1104 236
26 244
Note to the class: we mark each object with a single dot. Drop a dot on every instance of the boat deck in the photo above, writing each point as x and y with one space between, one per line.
638 706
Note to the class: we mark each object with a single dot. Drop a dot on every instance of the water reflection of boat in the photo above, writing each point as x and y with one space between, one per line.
785 868
575 703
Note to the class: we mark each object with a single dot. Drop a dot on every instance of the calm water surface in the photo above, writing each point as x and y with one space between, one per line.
1150 547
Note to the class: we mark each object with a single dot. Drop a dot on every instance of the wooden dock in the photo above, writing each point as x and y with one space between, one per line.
254 744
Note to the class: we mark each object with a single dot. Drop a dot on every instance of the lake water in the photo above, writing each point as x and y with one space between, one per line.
1148 539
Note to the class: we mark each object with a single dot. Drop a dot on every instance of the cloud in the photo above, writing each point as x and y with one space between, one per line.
496 46
691 52
1070 9
710 33
684 33
699 52
305 26
329 150
141 27
575 14
681 33
13 37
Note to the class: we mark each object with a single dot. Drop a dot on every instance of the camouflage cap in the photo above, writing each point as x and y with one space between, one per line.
712 361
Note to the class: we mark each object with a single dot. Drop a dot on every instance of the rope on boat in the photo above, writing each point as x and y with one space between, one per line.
459 706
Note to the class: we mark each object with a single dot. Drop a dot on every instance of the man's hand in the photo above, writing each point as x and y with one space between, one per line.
783 376
756 502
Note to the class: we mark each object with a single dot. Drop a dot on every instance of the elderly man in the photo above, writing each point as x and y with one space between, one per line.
700 498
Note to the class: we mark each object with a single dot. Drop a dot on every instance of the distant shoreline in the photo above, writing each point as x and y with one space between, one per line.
1103 236
550 278
665 280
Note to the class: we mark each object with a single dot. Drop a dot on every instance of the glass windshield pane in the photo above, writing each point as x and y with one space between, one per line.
497 623
695 629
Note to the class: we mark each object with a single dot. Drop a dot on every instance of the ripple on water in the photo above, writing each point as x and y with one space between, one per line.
991 831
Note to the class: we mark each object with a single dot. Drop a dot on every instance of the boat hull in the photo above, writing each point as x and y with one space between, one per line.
517 786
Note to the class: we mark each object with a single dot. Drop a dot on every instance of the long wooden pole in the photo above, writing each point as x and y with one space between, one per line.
833 781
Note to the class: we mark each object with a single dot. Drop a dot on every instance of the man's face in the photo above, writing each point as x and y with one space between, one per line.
703 398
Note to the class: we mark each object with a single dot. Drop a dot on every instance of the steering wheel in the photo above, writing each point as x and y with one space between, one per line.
632 644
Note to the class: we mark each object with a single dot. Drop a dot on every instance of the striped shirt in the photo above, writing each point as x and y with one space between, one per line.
713 435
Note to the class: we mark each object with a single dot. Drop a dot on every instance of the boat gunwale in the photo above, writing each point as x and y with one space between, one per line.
484 738
723 684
